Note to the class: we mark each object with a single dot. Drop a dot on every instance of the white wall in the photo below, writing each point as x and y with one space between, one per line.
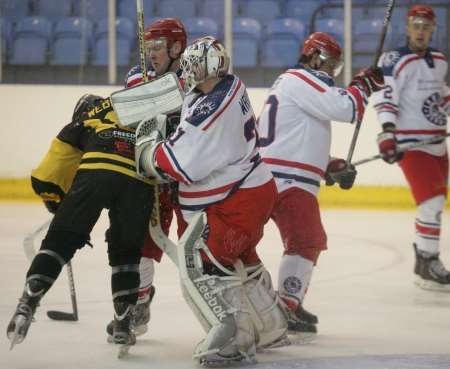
31 115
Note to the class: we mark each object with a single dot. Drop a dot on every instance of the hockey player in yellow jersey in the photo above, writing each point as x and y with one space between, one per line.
89 167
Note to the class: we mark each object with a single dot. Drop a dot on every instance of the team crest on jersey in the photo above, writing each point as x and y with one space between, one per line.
204 108
292 284
390 58
432 111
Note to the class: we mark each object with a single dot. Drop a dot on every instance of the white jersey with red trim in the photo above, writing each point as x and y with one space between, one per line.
294 125
214 150
134 75
416 98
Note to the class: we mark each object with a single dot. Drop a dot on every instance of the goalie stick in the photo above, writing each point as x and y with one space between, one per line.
414 145
30 252
387 19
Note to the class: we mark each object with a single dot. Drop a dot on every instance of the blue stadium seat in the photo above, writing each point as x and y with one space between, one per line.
127 9
334 27
178 9
125 38
429 2
199 27
283 39
262 10
440 38
246 37
362 61
93 9
125 28
30 41
302 10
14 9
338 13
101 51
367 35
214 9
73 38
279 52
6 28
247 26
54 9
286 27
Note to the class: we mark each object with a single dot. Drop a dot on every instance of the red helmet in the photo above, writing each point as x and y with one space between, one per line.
323 43
170 28
422 11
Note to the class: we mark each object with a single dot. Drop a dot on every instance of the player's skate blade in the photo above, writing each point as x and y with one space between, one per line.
431 285
17 330
124 344
219 361
301 332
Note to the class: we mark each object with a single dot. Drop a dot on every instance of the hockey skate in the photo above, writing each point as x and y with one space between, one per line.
302 325
122 332
229 356
431 274
23 316
141 318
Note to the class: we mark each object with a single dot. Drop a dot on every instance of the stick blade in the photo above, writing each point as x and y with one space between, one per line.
61 315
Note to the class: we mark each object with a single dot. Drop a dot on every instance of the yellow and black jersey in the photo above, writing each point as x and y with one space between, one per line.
96 142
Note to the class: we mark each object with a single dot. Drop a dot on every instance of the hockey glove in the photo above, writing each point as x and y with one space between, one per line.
52 206
341 172
369 80
387 144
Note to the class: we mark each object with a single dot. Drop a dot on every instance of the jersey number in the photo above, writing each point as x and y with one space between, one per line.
388 92
250 130
272 101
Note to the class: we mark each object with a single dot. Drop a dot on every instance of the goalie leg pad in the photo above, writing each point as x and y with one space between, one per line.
238 310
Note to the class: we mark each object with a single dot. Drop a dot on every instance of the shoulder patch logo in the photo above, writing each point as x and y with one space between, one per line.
204 108
390 58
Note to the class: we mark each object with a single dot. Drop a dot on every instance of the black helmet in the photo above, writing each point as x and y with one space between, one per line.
84 104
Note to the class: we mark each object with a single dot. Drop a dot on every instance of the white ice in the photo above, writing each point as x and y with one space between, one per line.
371 314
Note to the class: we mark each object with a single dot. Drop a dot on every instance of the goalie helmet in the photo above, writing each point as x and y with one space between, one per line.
169 28
206 58
327 47
84 104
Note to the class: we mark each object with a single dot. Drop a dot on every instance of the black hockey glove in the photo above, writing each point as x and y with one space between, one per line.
339 171
52 206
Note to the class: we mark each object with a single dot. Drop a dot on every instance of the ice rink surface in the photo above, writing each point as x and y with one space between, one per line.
371 315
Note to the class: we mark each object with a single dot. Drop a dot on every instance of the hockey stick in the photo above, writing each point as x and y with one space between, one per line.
30 252
414 145
155 217
61 315
28 242
387 19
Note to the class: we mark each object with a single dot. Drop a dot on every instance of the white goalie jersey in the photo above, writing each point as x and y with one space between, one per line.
416 98
214 150
294 125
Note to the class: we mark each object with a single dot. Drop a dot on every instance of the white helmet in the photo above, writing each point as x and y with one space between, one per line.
206 58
